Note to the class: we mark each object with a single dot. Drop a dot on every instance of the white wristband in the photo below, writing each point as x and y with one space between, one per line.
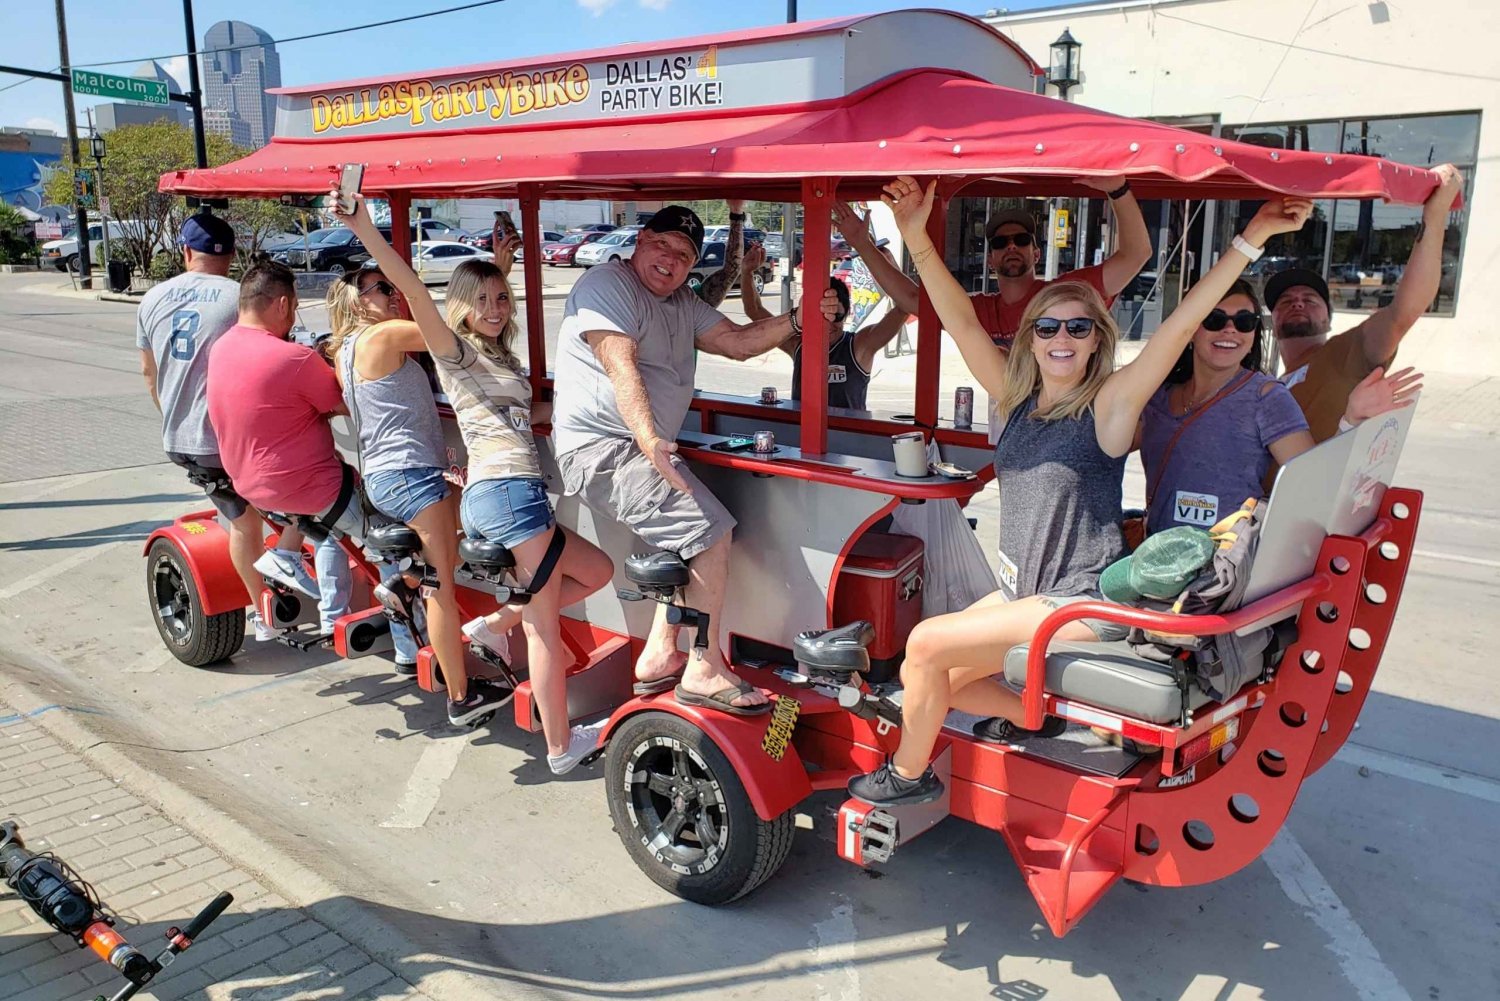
1243 246
1344 425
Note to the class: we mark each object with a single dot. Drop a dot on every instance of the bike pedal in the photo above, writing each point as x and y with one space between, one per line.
879 834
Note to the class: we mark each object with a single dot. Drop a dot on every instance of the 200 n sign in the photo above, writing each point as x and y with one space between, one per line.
121 88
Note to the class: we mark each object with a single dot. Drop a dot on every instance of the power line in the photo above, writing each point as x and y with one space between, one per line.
303 38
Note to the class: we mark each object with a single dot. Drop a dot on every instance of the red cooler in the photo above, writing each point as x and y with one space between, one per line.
881 581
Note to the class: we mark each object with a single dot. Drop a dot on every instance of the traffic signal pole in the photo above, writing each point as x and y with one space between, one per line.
85 273
200 143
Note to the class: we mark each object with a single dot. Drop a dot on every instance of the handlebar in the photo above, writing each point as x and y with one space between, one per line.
207 915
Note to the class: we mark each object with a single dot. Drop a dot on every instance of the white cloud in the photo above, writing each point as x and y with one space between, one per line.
655 4
44 123
596 7
178 67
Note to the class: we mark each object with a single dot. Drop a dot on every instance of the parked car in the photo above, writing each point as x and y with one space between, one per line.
483 240
712 260
721 233
616 246
337 250
435 263
562 251
595 227
63 254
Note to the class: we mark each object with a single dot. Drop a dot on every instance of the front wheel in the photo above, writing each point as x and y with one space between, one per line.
336 269
759 282
194 638
683 814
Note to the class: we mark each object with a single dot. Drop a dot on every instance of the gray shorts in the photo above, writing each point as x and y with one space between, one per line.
207 471
1108 632
614 477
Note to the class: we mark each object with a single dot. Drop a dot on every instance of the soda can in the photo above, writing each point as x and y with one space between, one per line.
963 407
768 395
765 442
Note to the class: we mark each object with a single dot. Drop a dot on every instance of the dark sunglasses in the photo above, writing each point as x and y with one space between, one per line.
1046 327
1019 239
385 288
1244 321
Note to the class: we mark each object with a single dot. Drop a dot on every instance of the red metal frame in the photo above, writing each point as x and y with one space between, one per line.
204 546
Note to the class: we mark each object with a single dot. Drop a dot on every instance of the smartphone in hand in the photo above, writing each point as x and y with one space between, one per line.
507 224
350 178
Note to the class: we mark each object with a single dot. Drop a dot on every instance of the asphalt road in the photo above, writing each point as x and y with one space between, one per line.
1382 886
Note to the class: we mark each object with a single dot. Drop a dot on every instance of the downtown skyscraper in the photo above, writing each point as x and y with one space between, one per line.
239 65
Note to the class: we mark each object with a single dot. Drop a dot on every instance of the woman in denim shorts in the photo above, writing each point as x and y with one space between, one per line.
403 459
505 497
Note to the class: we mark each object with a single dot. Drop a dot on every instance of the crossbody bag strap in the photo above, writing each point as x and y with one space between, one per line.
1166 454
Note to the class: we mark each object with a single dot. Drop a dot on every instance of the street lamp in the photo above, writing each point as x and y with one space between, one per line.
1063 72
96 147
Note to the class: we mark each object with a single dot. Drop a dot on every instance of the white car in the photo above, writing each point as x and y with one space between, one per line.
436 261
63 254
617 246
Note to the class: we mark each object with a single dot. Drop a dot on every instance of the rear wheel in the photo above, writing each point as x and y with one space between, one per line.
683 814
194 638
613 258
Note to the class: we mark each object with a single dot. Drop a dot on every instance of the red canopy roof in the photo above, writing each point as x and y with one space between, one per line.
924 122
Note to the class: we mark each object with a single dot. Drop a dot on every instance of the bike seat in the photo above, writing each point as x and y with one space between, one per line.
485 555
393 541
839 650
656 570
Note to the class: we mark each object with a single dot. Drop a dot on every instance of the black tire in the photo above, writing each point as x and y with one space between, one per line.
679 760
759 282
194 638
71 263
337 270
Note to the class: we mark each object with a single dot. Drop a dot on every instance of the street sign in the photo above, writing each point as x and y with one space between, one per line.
121 88
1060 229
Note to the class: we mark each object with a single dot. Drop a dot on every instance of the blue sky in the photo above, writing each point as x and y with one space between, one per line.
100 30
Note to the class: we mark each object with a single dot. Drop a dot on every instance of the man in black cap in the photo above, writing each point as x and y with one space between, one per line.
1321 371
176 325
625 368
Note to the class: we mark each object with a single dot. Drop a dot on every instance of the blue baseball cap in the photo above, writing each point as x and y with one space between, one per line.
207 234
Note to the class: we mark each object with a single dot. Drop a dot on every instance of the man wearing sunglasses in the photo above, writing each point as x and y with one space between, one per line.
1322 370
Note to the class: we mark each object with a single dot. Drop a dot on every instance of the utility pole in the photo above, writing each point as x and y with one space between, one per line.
199 141
788 213
85 273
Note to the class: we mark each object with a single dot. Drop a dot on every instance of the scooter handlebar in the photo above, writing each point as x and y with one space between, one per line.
207 915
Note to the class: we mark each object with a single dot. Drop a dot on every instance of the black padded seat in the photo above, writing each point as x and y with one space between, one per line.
656 570
393 541
481 554
1109 676
840 649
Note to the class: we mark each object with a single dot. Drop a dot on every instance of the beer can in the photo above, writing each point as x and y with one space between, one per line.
768 395
765 442
963 407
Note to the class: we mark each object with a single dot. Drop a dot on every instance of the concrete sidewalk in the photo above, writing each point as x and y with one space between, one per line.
153 873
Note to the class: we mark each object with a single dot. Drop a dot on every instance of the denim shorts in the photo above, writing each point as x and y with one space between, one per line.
506 511
1108 632
405 493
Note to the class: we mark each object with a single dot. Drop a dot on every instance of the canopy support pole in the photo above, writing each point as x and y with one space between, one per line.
817 221
531 270
400 202
929 328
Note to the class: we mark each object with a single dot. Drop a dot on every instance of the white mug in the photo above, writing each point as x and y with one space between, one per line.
911 454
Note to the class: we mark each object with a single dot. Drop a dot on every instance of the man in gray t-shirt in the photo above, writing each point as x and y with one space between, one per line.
175 327
624 381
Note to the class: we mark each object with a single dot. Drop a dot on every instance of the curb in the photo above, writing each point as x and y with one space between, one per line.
300 886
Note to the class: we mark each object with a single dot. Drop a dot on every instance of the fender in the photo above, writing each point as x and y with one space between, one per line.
204 546
773 786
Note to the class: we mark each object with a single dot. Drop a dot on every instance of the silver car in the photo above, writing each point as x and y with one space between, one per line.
617 246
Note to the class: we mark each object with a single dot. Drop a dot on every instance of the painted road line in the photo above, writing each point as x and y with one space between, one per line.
1456 558
1305 886
425 786
1447 779
833 945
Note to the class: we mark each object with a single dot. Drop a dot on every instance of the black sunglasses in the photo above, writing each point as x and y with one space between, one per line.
385 288
1046 327
1019 239
1244 321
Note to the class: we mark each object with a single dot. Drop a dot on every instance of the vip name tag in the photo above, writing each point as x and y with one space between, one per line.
1196 509
1008 574
837 374
520 419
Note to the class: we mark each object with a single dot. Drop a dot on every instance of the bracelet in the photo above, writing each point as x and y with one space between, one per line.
737 217
1119 192
1245 247
796 325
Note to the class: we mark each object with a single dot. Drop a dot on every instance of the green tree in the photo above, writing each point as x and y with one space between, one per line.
17 244
137 156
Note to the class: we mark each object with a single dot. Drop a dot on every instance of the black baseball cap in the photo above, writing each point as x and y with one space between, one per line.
1292 278
207 234
678 219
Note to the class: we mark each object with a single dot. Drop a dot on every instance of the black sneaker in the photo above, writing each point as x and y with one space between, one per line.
999 730
406 670
883 787
484 697
399 596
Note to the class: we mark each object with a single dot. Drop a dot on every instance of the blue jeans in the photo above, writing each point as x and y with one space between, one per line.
336 586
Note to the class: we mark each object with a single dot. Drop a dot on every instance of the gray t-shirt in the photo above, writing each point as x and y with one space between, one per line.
178 321
611 297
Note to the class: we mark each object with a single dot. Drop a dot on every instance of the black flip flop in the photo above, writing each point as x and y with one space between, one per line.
657 685
723 700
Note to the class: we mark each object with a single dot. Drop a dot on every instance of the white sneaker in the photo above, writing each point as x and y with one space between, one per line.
479 631
584 740
286 568
264 632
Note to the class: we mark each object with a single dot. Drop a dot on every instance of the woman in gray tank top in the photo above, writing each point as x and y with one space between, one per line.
1070 420
402 458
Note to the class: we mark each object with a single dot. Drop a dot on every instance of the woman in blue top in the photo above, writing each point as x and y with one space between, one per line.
1071 419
